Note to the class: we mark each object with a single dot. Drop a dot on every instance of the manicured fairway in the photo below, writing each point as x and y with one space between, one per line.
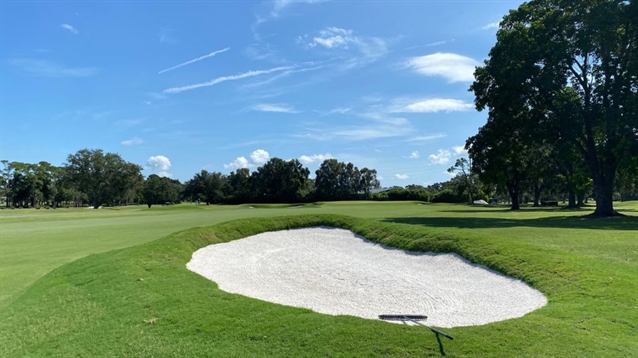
587 268
33 242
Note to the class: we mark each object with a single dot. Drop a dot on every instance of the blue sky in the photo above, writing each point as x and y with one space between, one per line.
183 86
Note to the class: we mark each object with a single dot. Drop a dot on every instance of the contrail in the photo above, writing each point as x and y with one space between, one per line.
194 60
226 78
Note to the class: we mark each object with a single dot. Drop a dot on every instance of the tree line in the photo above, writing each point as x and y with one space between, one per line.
92 177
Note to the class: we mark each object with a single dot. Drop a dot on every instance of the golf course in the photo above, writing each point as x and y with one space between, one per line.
114 282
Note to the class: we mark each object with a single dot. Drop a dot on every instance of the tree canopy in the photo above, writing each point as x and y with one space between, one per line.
561 71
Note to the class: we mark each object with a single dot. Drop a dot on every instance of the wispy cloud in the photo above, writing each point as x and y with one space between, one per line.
226 78
369 49
492 25
402 176
315 158
433 105
442 157
194 60
133 141
277 108
165 36
453 67
279 76
157 96
339 111
427 138
70 28
280 5
364 132
415 155
50 69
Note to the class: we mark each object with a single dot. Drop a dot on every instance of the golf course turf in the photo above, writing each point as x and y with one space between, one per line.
133 296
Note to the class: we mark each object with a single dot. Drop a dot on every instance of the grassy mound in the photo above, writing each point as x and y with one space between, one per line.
142 301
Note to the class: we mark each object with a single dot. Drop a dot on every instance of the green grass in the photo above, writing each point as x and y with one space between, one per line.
99 305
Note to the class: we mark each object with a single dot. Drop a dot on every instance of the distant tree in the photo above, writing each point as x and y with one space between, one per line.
463 167
340 181
211 188
241 185
368 181
101 176
160 190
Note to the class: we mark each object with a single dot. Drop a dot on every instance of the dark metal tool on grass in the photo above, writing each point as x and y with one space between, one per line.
414 319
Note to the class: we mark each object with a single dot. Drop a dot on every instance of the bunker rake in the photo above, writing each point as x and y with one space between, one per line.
414 319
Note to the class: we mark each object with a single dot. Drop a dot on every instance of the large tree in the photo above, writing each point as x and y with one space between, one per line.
570 69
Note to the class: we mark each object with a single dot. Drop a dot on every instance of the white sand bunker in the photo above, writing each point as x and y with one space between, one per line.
334 271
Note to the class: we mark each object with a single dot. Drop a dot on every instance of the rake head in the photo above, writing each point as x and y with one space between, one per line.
402 317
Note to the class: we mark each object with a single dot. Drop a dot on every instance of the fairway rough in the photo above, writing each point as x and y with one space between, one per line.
336 272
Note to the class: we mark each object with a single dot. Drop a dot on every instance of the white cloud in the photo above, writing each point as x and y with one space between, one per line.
493 25
414 155
50 69
425 138
459 150
434 105
442 157
370 49
240 162
70 28
334 37
226 78
133 141
402 176
453 67
309 159
277 108
259 156
159 164
195 60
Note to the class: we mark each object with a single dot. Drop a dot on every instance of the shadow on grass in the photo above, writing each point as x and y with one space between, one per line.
574 222
556 209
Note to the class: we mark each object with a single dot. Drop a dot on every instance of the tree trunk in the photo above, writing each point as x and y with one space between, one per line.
514 197
581 199
572 198
537 195
604 199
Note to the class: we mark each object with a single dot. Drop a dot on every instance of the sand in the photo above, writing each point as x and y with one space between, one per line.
336 272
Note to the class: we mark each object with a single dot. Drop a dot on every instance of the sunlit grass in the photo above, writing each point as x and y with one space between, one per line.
104 304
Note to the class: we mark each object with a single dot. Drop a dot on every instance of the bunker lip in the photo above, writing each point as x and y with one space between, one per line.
333 271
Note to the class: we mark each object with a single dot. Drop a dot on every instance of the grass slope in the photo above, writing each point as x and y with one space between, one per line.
141 301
